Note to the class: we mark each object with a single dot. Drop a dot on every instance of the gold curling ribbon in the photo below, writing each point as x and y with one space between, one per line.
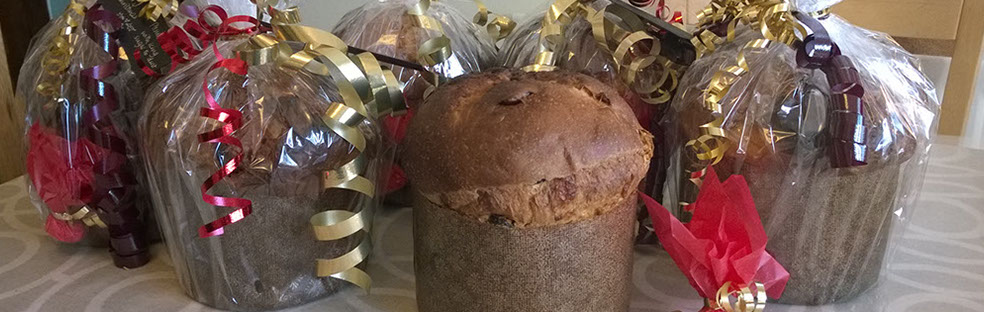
365 89
560 13
434 50
776 23
155 9
336 268
498 28
822 14
88 217
629 42
625 40
56 59
746 300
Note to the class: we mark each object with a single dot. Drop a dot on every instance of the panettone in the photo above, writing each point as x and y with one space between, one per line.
286 150
538 149
525 194
829 227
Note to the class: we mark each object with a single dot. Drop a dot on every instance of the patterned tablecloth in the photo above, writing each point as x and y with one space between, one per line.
938 267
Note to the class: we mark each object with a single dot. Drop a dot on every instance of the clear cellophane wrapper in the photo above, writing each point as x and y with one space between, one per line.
386 28
829 227
266 260
579 52
81 151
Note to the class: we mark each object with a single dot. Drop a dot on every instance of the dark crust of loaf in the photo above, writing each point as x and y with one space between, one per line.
537 148
464 265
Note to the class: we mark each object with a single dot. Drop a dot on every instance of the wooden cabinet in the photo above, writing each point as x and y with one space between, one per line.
11 122
942 27
958 24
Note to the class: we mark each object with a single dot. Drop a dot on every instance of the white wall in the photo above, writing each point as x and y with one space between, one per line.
974 130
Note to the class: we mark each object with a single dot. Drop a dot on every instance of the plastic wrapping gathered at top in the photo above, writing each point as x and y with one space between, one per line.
580 51
82 102
811 6
521 47
289 150
829 227
386 27
245 7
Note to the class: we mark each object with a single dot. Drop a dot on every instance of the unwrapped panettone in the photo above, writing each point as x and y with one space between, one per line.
525 193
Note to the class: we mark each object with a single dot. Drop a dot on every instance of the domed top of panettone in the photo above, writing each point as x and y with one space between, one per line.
537 148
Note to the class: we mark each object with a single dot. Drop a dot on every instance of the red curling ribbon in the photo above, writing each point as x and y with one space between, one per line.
677 18
231 120
113 183
177 41
724 242
661 9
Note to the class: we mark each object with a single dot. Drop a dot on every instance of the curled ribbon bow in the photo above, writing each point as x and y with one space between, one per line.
622 34
55 60
155 9
231 120
746 300
177 41
777 23
498 28
366 90
113 195
722 250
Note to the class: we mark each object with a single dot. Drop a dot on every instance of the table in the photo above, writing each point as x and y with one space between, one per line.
939 265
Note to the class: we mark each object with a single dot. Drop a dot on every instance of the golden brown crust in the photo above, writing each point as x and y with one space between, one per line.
536 148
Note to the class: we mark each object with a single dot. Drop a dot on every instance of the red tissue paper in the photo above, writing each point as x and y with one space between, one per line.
396 128
61 171
724 242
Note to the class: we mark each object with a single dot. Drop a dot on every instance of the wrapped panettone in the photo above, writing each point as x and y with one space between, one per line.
525 193
255 160
82 101
833 141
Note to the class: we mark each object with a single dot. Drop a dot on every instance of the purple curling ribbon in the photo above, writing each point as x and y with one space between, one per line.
113 185
846 122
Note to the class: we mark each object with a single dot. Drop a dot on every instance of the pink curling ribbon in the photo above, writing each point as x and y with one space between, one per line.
113 191
662 10
231 120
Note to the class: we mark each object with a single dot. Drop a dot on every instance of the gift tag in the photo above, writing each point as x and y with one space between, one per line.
139 35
